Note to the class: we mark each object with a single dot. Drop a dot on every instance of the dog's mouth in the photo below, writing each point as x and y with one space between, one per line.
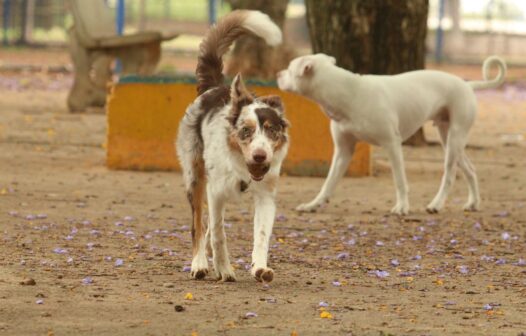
257 171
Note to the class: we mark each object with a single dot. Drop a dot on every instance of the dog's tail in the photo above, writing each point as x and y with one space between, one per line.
219 38
488 83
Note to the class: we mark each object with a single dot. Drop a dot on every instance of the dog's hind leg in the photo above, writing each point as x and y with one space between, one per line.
396 157
216 209
468 170
344 145
195 195
473 203
454 146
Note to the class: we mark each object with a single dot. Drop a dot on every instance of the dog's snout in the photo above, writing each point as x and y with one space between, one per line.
259 156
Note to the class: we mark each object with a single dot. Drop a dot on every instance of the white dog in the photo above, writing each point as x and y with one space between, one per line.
235 142
386 110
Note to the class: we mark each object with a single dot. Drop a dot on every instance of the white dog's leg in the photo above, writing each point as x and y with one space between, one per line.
396 157
263 222
454 145
473 203
222 266
343 151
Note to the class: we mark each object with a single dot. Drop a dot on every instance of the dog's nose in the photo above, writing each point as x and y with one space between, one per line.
259 156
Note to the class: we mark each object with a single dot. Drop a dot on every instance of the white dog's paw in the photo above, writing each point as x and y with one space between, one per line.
309 207
263 274
225 273
400 209
199 267
471 206
434 207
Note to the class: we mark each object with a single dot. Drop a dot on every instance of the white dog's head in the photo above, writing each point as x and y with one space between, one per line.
297 76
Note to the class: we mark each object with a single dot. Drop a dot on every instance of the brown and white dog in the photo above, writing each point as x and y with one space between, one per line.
230 142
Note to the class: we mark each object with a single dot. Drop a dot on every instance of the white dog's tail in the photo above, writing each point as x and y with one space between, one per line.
209 71
488 83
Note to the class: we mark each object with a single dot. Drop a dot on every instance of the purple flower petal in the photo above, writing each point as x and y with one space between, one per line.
323 304
505 236
87 280
379 243
119 223
31 217
463 269
477 226
487 306
379 273
128 218
502 214
187 269
281 218
500 261
336 283
39 301
59 250
251 315
41 216
119 262
394 262
343 255
520 262
417 257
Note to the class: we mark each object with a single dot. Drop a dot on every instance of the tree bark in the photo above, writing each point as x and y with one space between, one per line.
251 56
371 36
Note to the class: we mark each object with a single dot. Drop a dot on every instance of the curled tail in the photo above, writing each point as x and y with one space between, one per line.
209 71
488 83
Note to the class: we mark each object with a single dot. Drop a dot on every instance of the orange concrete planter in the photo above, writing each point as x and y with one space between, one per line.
144 113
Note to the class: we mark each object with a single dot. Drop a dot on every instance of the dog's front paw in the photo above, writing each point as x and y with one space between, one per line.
434 207
199 268
261 274
225 273
199 274
309 207
471 206
400 209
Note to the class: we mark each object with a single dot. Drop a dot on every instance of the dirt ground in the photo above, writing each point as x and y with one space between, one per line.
109 250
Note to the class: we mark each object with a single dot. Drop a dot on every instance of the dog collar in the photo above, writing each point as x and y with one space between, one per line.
243 186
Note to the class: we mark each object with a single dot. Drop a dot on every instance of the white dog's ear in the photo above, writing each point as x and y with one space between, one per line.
307 68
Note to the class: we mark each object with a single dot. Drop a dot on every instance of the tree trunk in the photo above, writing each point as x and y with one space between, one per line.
371 36
251 56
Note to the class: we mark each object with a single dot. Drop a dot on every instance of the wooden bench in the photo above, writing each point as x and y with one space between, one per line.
144 114
93 46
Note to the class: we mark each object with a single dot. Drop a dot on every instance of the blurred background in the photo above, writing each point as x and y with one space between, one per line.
383 37
459 31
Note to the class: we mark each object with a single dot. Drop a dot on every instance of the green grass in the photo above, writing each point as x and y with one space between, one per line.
195 10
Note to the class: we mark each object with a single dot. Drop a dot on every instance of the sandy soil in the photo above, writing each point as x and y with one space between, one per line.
109 250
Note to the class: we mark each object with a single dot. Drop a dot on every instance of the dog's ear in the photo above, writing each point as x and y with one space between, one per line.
307 68
240 97
272 101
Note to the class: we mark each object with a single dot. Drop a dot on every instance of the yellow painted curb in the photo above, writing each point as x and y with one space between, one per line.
143 119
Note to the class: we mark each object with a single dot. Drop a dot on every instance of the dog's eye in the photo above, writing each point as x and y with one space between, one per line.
245 132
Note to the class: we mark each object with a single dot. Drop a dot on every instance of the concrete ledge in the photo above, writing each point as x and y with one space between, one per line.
144 112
